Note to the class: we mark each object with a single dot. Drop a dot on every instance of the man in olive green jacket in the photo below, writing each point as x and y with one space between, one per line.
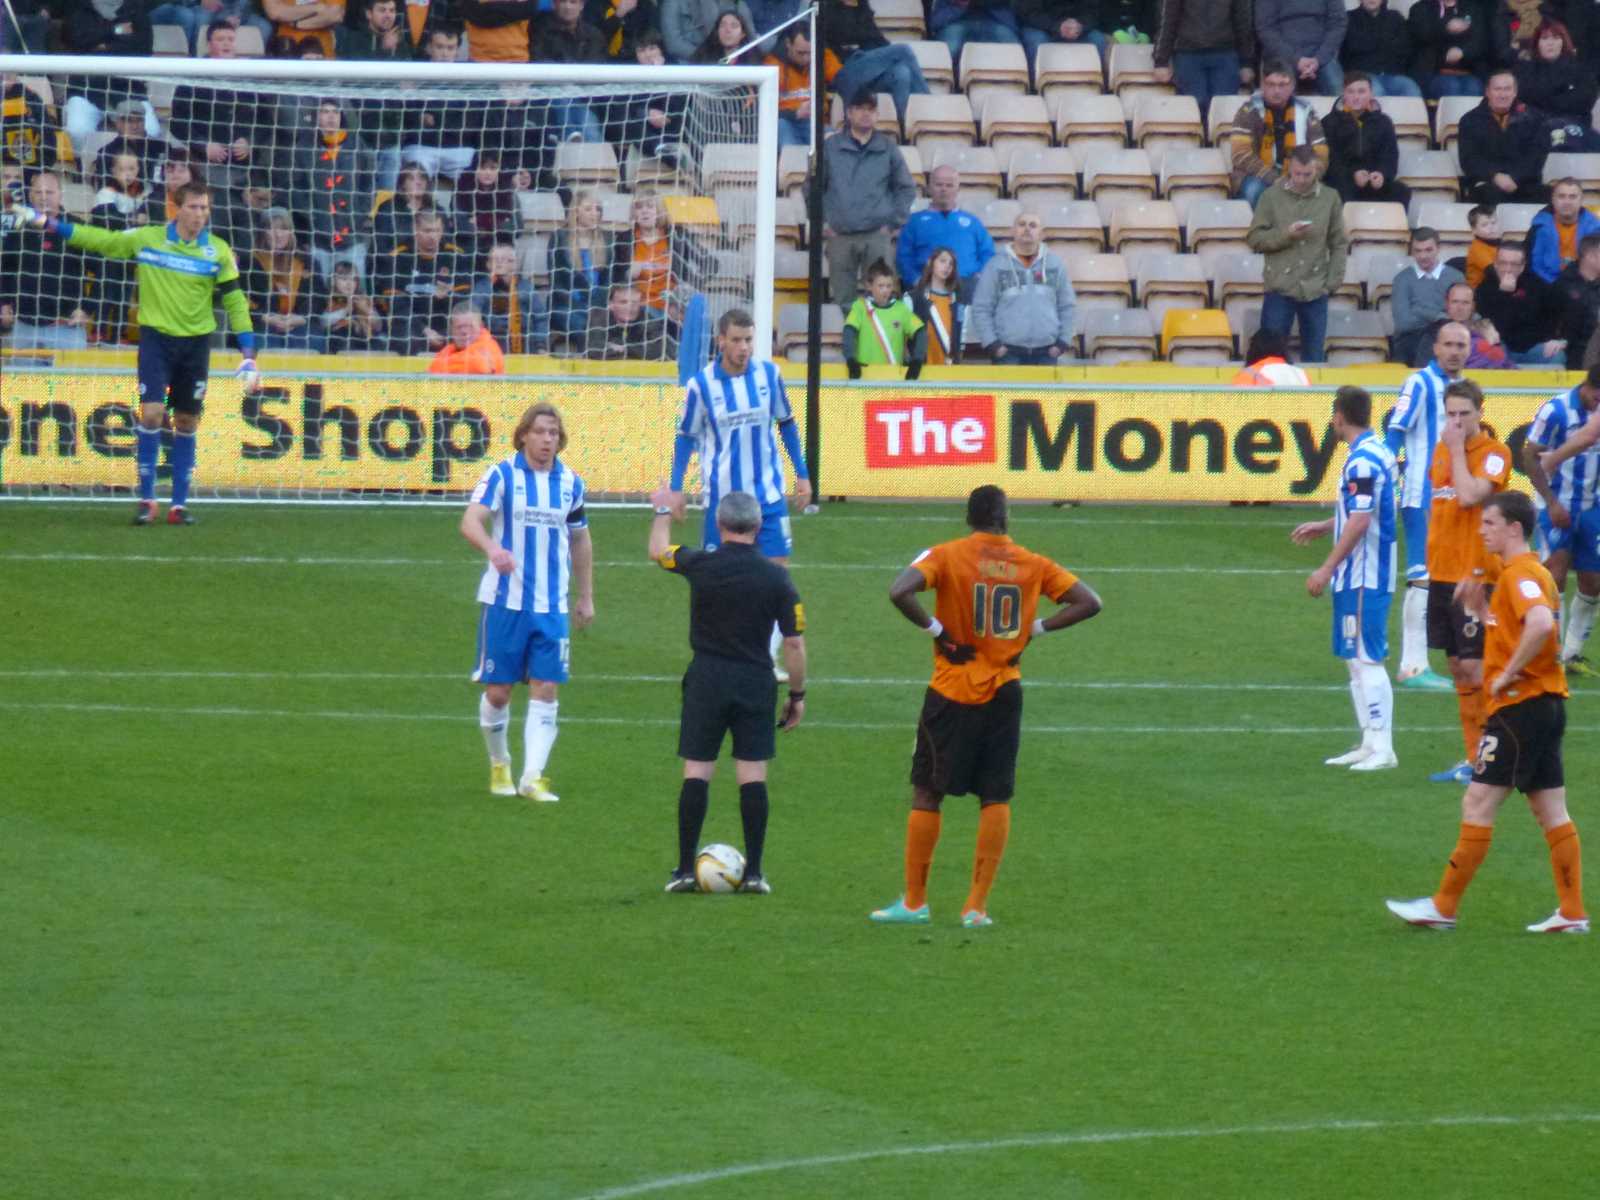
1299 229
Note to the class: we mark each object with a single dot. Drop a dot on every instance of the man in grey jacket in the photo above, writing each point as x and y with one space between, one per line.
1022 310
867 197
1299 229
1307 35
1417 299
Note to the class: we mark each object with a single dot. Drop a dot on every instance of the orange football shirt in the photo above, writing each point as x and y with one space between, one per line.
1523 584
1454 548
988 595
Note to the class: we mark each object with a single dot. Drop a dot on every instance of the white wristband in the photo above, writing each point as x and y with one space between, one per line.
1038 627
934 629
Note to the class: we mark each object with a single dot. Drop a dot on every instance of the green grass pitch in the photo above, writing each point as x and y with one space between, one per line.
266 935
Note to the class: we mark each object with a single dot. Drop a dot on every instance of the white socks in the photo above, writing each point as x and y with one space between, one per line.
1378 725
493 722
1358 698
540 736
1414 631
1580 620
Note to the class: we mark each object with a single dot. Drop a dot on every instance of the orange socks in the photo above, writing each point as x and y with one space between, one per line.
1566 864
1468 856
922 835
1471 705
994 827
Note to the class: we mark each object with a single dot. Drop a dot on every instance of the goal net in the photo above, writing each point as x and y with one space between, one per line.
383 215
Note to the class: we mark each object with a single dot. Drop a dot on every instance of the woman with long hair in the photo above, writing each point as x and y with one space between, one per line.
582 262
936 299
278 284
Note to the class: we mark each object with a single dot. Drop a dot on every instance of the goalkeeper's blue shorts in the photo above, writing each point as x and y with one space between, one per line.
173 370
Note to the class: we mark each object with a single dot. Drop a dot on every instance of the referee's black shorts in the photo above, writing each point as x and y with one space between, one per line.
1521 746
969 748
722 696
173 370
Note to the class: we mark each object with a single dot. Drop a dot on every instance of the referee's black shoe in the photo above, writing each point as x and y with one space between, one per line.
179 515
146 513
682 881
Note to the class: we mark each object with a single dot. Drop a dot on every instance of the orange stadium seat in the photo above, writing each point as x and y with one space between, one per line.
1101 281
1167 281
1116 335
937 69
1196 337
1039 175
1068 67
940 120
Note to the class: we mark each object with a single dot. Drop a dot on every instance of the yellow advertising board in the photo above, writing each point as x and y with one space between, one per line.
391 433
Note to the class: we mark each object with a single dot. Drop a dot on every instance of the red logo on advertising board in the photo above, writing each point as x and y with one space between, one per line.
939 431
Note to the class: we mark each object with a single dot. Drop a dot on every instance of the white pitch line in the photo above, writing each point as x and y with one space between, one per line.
800 566
844 726
816 680
1103 1138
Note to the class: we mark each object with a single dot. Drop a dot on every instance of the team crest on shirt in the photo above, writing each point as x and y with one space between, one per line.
209 250
963 221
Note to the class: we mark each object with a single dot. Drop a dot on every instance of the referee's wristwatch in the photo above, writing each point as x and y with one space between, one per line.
663 511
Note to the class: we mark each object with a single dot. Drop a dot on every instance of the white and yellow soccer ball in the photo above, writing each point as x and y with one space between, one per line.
719 868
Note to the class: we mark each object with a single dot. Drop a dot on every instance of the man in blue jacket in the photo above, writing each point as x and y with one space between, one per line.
944 224
1554 235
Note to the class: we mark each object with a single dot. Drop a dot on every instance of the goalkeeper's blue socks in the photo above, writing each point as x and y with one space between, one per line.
753 812
693 800
182 467
148 454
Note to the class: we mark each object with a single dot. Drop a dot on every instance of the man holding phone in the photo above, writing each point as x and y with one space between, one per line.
1299 230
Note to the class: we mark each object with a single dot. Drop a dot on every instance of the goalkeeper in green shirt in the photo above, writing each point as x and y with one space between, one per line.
182 268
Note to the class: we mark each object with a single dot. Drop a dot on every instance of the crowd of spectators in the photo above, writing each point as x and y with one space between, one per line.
363 223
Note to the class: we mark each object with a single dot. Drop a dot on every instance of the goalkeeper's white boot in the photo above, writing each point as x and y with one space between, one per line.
536 788
500 779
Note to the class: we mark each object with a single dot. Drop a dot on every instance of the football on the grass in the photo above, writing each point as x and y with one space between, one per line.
719 868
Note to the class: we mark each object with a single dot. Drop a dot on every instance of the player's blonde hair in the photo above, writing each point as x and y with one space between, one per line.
542 409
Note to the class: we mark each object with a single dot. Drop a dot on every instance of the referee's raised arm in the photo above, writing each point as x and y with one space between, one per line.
661 527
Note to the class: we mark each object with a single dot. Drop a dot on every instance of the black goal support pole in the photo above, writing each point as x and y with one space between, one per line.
815 282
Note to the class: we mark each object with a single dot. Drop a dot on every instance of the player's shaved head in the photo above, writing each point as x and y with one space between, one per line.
986 509
739 512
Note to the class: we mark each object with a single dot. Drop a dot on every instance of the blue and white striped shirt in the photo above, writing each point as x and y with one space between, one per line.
535 513
1419 415
732 419
1366 485
1574 482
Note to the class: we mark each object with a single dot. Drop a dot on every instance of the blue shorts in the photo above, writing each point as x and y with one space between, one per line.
1581 539
773 540
518 646
1415 522
1361 624
173 370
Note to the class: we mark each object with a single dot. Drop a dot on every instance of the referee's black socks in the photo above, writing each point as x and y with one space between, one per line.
753 812
693 800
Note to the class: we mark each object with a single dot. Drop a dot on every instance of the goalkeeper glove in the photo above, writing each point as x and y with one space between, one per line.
25 217
248 374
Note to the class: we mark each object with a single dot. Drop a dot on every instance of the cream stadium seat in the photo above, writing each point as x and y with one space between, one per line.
1084 121
978 167
1193 174
1219 120
1112 175
937 69
1007 121
939 120
1236 283
1116 335
1515 219
1378 270
1140 227
1131 71
1173 121
998 217
990 67
1217 227
1196 337
789 223
1585 168
1455 233
722 164
1352 293
1073 228
1167 281
616 211
594 164
1355 337
1068 67
913 161
1448 117
541 212
533 257
1410 117
1376 223
169 41
900 20
1042 175
793 164
790 334
1430 174
1101 281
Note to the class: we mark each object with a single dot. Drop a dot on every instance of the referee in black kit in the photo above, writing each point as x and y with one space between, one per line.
735 595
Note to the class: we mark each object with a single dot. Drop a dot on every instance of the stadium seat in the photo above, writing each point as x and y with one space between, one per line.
1376 223
1073 228
789 223
1042 175
900 20
697 214
1455 234
794 163
1085 121
940 120
1140 227
533 257
541 212
1410 117
1216 227
90 152
722 164
1118 172
1585 168
1321 105
1448 116
1131 71
1430 174
1196 337
792 327
990 67
1192 173
1352 293
1101 280
998 217
1355 336
616 212
169 41
888 116
937 69
662 174
913 160
1115 335
1219 120
1063 67
978 167
1515 219
1378 271
1171 121
1167 281
1007 121
1236 284
592 164
77 199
